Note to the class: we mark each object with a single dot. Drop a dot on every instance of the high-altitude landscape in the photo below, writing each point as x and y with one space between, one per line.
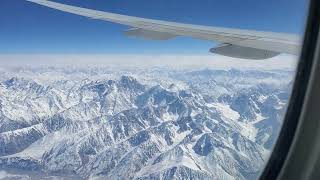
139 123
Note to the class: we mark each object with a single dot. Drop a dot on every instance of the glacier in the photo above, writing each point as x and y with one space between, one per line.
139 123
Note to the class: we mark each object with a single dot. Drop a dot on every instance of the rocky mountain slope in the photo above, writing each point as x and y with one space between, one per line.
164 124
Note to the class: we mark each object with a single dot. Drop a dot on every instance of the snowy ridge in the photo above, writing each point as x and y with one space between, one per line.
148 124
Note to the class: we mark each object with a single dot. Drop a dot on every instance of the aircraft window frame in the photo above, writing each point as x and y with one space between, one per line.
293 122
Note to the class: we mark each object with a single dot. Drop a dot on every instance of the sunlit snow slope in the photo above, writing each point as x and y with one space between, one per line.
155 123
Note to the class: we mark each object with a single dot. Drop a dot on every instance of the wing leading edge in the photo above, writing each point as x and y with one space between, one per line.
247 44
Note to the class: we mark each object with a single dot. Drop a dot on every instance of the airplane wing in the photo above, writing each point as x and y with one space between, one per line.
246 44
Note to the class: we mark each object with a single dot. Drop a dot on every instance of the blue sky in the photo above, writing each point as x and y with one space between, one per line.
27 28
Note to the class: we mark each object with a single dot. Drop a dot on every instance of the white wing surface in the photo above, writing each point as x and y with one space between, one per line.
247 44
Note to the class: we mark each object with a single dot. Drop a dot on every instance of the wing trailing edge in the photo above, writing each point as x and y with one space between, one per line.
148 34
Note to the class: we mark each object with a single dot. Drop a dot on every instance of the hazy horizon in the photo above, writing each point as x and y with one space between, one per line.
284 61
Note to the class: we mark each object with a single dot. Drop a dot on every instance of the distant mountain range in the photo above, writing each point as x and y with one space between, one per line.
157 123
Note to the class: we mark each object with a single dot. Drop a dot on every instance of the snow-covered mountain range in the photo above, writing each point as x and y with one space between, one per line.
151 123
